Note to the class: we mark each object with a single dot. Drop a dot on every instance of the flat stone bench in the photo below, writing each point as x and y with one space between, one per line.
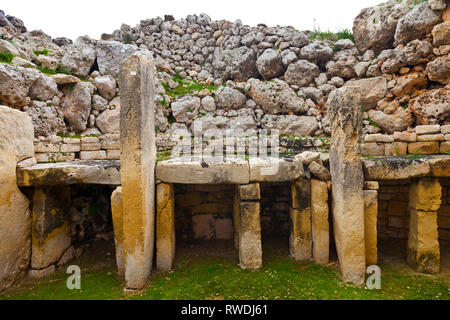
232 171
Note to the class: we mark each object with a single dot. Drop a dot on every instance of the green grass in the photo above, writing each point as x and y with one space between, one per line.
185 87
6 58
44 52
318 34
48 71
208 277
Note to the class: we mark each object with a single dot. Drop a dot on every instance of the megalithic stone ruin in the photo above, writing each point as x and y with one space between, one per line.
138 159
347 182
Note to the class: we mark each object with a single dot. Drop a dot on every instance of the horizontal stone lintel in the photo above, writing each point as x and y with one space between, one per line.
235 171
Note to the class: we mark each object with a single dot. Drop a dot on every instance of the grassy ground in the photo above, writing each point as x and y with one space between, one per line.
210 272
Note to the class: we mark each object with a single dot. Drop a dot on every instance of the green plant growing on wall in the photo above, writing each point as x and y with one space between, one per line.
6 58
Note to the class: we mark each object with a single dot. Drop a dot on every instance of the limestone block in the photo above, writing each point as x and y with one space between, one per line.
300 194
395 149
67 173
113 154
250 192
370 226
50 227
440 166
202 225
395 168
320 228
445 147
275 169
93 155
165 226
223 229
347 182
300 241
236 216
423 148
423 246
200 171
371 185
250 247
425 195
117 217
16 144
138 158
44 273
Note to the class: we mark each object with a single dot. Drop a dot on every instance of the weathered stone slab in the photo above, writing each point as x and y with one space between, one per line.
165 226
276 169
370 226
138 158
50 228
236 216
117 217
68 173
440 166
300 240
347 182
395 168
423 246
16 144
320 228
250 247
203 171
425 194
250 192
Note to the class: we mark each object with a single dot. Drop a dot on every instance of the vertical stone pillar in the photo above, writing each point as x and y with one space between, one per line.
319 218
16 144
117 217
165 226
138 159
300 240
370 226
236 215
50 227
250 246
347 177
423 246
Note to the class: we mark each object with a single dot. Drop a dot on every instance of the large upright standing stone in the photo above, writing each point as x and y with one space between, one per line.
165 226
138 158
51 228
319 222
344 109
250 247
16 144
370 225
117 217
300 241
423 252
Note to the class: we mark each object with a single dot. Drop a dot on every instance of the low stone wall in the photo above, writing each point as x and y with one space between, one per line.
422 140
205 212
393 216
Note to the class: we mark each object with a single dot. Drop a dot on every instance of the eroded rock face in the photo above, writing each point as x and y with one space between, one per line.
109 120
42 87
372 90
441 34
301 73
439 69
410 83
76 105
110 54
374 28
276 96
290 124
47 119
16 144
80 57
228 98
399 120
416 24
185 108
269 64
106 86
432 107
238 64
13 88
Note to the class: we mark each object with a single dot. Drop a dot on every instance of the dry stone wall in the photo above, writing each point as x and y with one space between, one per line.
226 74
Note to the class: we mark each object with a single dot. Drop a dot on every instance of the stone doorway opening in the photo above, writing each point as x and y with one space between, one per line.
275 214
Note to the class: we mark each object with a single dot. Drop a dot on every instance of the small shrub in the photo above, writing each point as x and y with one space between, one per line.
6 57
